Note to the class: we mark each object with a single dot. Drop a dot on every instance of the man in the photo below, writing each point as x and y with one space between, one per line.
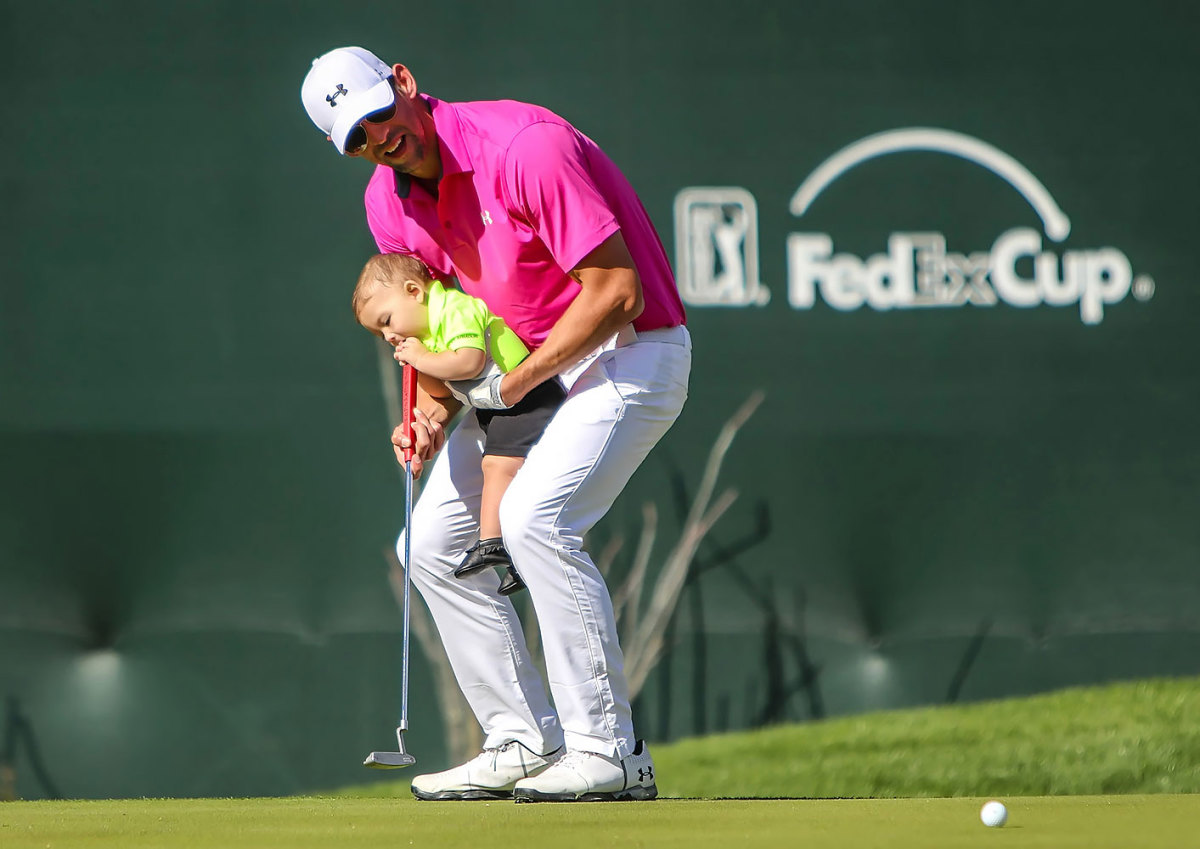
533 218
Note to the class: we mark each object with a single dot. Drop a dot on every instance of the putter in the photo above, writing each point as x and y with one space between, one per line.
401 758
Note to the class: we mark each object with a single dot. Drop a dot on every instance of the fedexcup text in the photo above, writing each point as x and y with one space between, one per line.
918 271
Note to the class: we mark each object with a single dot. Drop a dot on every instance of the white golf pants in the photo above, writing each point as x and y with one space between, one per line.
615 412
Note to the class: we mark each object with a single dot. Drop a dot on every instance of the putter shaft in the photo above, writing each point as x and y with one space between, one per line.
401 758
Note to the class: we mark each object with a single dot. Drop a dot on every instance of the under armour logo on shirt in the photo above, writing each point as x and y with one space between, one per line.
331 99
487 217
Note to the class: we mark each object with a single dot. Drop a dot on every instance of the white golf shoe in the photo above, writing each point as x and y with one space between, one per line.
489 775
589 777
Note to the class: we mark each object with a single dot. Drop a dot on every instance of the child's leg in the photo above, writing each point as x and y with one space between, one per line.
498 473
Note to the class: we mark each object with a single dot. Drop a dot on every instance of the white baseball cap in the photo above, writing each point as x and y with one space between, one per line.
343 87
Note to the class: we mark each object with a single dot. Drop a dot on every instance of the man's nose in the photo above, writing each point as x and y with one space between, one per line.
376 133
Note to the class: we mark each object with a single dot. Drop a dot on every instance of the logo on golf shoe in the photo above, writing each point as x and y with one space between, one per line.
716 248
645 773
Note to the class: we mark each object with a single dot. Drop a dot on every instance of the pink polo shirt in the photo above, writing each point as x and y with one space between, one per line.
524 196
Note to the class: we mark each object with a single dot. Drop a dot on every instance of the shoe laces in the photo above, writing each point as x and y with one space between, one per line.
575 757
493 753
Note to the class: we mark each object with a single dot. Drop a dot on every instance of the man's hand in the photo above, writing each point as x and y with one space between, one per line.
429 435
487 395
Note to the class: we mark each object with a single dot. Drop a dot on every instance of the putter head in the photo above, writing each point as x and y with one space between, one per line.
389 760
392 760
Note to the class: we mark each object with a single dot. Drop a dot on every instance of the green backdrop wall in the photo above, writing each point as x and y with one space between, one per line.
975 473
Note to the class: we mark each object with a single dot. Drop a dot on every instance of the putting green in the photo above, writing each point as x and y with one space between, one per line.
1091 822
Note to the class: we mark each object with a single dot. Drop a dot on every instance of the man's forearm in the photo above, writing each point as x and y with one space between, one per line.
610 297
434 400
587 322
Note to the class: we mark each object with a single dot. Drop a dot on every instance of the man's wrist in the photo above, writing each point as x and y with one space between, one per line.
500 395
440 409
514 386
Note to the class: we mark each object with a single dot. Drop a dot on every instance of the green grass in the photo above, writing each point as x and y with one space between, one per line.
1139 737
1048 757
1065 822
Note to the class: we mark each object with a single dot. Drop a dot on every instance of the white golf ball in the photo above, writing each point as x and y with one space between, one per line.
993 814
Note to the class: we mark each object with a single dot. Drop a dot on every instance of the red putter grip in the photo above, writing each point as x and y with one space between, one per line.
408 399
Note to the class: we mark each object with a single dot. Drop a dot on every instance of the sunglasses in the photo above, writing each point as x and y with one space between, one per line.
357 140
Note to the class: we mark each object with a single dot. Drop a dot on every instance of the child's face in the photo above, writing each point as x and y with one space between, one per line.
395 311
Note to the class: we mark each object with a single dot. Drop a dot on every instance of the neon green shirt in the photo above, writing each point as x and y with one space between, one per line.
457 320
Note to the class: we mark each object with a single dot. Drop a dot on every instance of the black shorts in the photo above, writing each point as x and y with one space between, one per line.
512 432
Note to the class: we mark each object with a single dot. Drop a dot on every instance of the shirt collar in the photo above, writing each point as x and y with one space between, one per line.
455 157
435 303
436 297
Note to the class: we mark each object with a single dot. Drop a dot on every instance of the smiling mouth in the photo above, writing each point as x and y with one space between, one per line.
398 148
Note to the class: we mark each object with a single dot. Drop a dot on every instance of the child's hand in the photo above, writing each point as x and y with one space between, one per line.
410 350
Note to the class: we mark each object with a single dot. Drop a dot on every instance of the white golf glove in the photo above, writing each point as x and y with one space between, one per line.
486 396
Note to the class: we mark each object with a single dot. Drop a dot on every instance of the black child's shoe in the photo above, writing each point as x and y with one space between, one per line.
485 554
490 554
511 583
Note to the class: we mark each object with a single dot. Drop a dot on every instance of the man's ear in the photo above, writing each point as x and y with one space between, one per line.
404 81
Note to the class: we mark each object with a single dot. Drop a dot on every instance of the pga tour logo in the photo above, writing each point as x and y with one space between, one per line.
716 247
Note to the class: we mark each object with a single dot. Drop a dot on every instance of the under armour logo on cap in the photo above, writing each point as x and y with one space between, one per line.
331 99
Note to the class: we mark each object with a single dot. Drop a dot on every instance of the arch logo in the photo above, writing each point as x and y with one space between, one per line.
716 244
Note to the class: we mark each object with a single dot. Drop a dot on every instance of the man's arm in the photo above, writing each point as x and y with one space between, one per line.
610 297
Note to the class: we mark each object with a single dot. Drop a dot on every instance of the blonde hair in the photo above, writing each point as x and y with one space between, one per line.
385 269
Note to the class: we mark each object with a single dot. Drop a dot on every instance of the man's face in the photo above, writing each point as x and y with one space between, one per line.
402 138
